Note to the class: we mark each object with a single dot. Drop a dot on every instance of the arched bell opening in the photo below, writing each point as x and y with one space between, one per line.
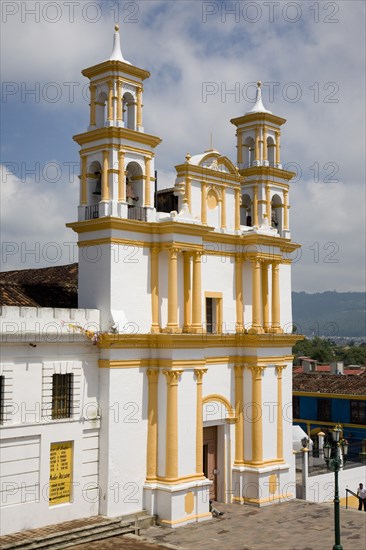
100 110
246 214
129 111
276 213
248 152
134 184
94 184
271 151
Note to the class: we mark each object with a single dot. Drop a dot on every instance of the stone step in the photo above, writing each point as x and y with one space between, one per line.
76 536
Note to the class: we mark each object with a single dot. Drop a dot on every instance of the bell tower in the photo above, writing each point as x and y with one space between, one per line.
116 155
264 200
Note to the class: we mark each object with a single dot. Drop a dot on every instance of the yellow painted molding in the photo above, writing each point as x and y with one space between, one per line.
330 395
187 518
190 363
223 400
117 133
113 66
263 500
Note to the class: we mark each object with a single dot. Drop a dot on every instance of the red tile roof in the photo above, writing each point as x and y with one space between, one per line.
330 383
45 287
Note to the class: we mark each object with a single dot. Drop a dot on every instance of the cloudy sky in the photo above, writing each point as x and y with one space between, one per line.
204 58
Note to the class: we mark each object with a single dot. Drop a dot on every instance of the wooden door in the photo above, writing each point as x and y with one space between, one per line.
210 457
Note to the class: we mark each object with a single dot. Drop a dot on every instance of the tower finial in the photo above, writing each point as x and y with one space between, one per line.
117 53
258 106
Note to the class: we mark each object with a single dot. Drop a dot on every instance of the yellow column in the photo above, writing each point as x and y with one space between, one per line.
256 327
110 101
83 183
92 104
239 425
187 292
119 100
147 180
255 205
285 209
203 202
264 135
240 147
276 327
223 208
172 324
199 421
256 150
188 193
257 413
121 177
278 148
268 204
265 297
171 447
239 292
196 294
155 328
139 107
105 184
237 210
152 425
279 369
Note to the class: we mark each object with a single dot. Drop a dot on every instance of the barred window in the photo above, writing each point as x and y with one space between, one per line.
61 395
358 412
2 387
324 410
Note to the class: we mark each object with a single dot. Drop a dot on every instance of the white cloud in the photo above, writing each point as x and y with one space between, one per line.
182 52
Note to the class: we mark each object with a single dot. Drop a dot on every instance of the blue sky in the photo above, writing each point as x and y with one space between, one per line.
309 54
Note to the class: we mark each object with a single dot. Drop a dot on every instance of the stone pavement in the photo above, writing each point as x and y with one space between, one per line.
293 525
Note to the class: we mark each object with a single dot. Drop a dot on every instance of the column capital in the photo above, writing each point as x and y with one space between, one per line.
279 369
197 255
199 372
239 258
238 369
257 371
153 375
173 251
172 376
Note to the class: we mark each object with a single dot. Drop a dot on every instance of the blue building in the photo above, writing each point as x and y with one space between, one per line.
322 400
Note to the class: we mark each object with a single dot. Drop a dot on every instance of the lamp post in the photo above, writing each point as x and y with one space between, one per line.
334 455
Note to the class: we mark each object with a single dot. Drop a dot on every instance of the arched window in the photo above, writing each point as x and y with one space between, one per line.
100 110
248 152
246 211
276 213
94 182
271 151
134 184
129 111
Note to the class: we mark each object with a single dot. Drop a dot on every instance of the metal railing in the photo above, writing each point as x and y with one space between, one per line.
92 212
136 213
352 493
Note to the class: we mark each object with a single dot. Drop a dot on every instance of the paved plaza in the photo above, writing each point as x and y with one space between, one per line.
294 525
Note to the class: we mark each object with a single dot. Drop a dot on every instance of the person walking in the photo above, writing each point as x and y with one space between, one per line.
361 493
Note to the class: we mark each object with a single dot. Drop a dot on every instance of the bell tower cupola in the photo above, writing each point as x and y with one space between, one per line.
116 154
264 200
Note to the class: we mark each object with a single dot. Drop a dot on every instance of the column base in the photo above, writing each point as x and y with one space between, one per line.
196 329
275 330
256 330
172 329
155 329
179 504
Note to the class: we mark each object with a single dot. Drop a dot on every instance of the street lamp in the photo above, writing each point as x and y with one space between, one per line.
335 455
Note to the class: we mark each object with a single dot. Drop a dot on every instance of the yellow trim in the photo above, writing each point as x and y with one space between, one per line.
255 205
279 369
196 294
147 181
105 182
257 424
262 500
189 363
265 296
114 132
275 326
83 182
113 66
171 445
92 88
204 203
187 321
256 327
223 208
154 281
139 107
152 424
187 518
239 426
121 177
172 324
239 293
237 210
334 395
198 341
258 117
224 401
199 420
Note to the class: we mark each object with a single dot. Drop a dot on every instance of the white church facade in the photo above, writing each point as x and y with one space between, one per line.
172 382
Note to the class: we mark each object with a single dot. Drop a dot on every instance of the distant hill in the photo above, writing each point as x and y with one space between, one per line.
330 314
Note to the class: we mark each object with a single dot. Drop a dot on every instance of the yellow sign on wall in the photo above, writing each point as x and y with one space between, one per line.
60 472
